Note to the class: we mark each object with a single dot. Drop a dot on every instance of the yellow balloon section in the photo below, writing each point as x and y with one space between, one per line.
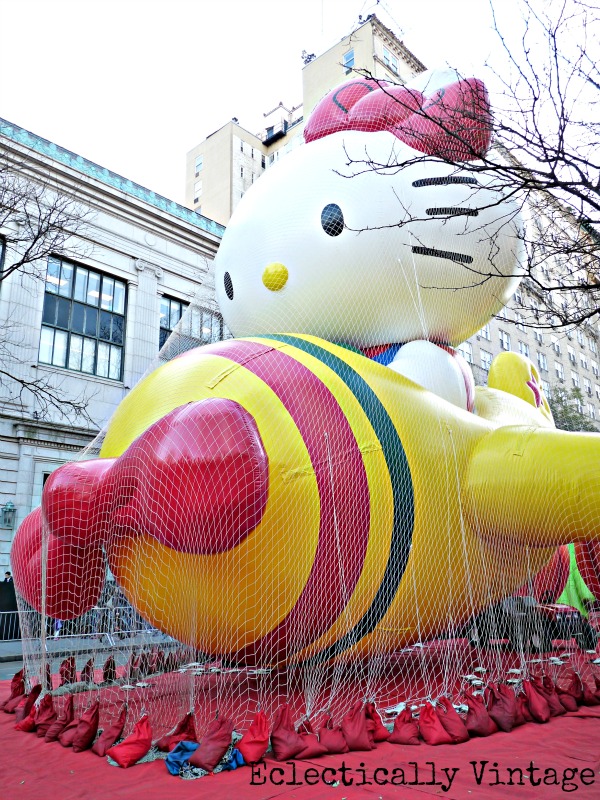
227 602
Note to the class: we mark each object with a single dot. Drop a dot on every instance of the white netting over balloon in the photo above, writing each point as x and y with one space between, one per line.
324 509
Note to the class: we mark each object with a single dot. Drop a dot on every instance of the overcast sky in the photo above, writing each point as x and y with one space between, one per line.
134 84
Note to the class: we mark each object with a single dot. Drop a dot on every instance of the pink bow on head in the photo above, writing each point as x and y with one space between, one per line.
453 123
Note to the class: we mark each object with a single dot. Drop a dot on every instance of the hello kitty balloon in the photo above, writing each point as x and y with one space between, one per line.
366 235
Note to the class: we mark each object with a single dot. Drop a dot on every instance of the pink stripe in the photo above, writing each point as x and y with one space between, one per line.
343 490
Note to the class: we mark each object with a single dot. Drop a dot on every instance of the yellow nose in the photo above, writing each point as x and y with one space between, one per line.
275 276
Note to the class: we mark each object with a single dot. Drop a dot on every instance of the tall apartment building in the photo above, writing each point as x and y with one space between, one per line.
222 167
88 321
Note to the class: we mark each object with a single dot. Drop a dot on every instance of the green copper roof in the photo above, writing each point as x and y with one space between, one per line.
47 148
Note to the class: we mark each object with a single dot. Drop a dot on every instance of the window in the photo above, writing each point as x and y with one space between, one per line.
203 324
575 379
580 337
504 340
579 404
583 360
241 172
197 191
539 337
170 314
520 322
486 359
597 390
251 152
594 366
559 369
593 345
555 345
199 165
571 354
546 389
524 349
502 313
390 60
591 411
466 351
263 162
519 297
587 386
542 362
241 146
485 333
83 325
348 61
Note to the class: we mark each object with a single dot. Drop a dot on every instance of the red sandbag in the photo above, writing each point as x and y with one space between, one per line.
431 729
305 726
144 665
332 738
27 724
170 663
375 724
406 729
132 668
523 707
46 715
537 703
285 741
109 670
110 735
135 746
67 671
11 705
254 743
67 734
87 728
22 711
152 661
502 708
64 718
214 745
87 673
354 728
509 697
184 731
548 690
159 665
312 747
520 718
451 721
17 689
567 701
575 688
478 722
589 696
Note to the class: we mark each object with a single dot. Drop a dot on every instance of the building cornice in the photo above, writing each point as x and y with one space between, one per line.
61 155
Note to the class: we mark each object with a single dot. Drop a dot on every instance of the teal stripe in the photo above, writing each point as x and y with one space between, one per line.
402 489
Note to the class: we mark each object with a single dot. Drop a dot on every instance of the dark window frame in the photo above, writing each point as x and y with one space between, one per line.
89 346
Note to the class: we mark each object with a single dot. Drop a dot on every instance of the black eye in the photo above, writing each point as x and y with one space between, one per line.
228 285
332 220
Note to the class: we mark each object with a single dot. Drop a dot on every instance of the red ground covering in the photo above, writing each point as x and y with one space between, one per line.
34 770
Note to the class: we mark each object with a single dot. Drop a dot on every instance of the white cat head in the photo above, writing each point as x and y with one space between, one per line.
326 244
